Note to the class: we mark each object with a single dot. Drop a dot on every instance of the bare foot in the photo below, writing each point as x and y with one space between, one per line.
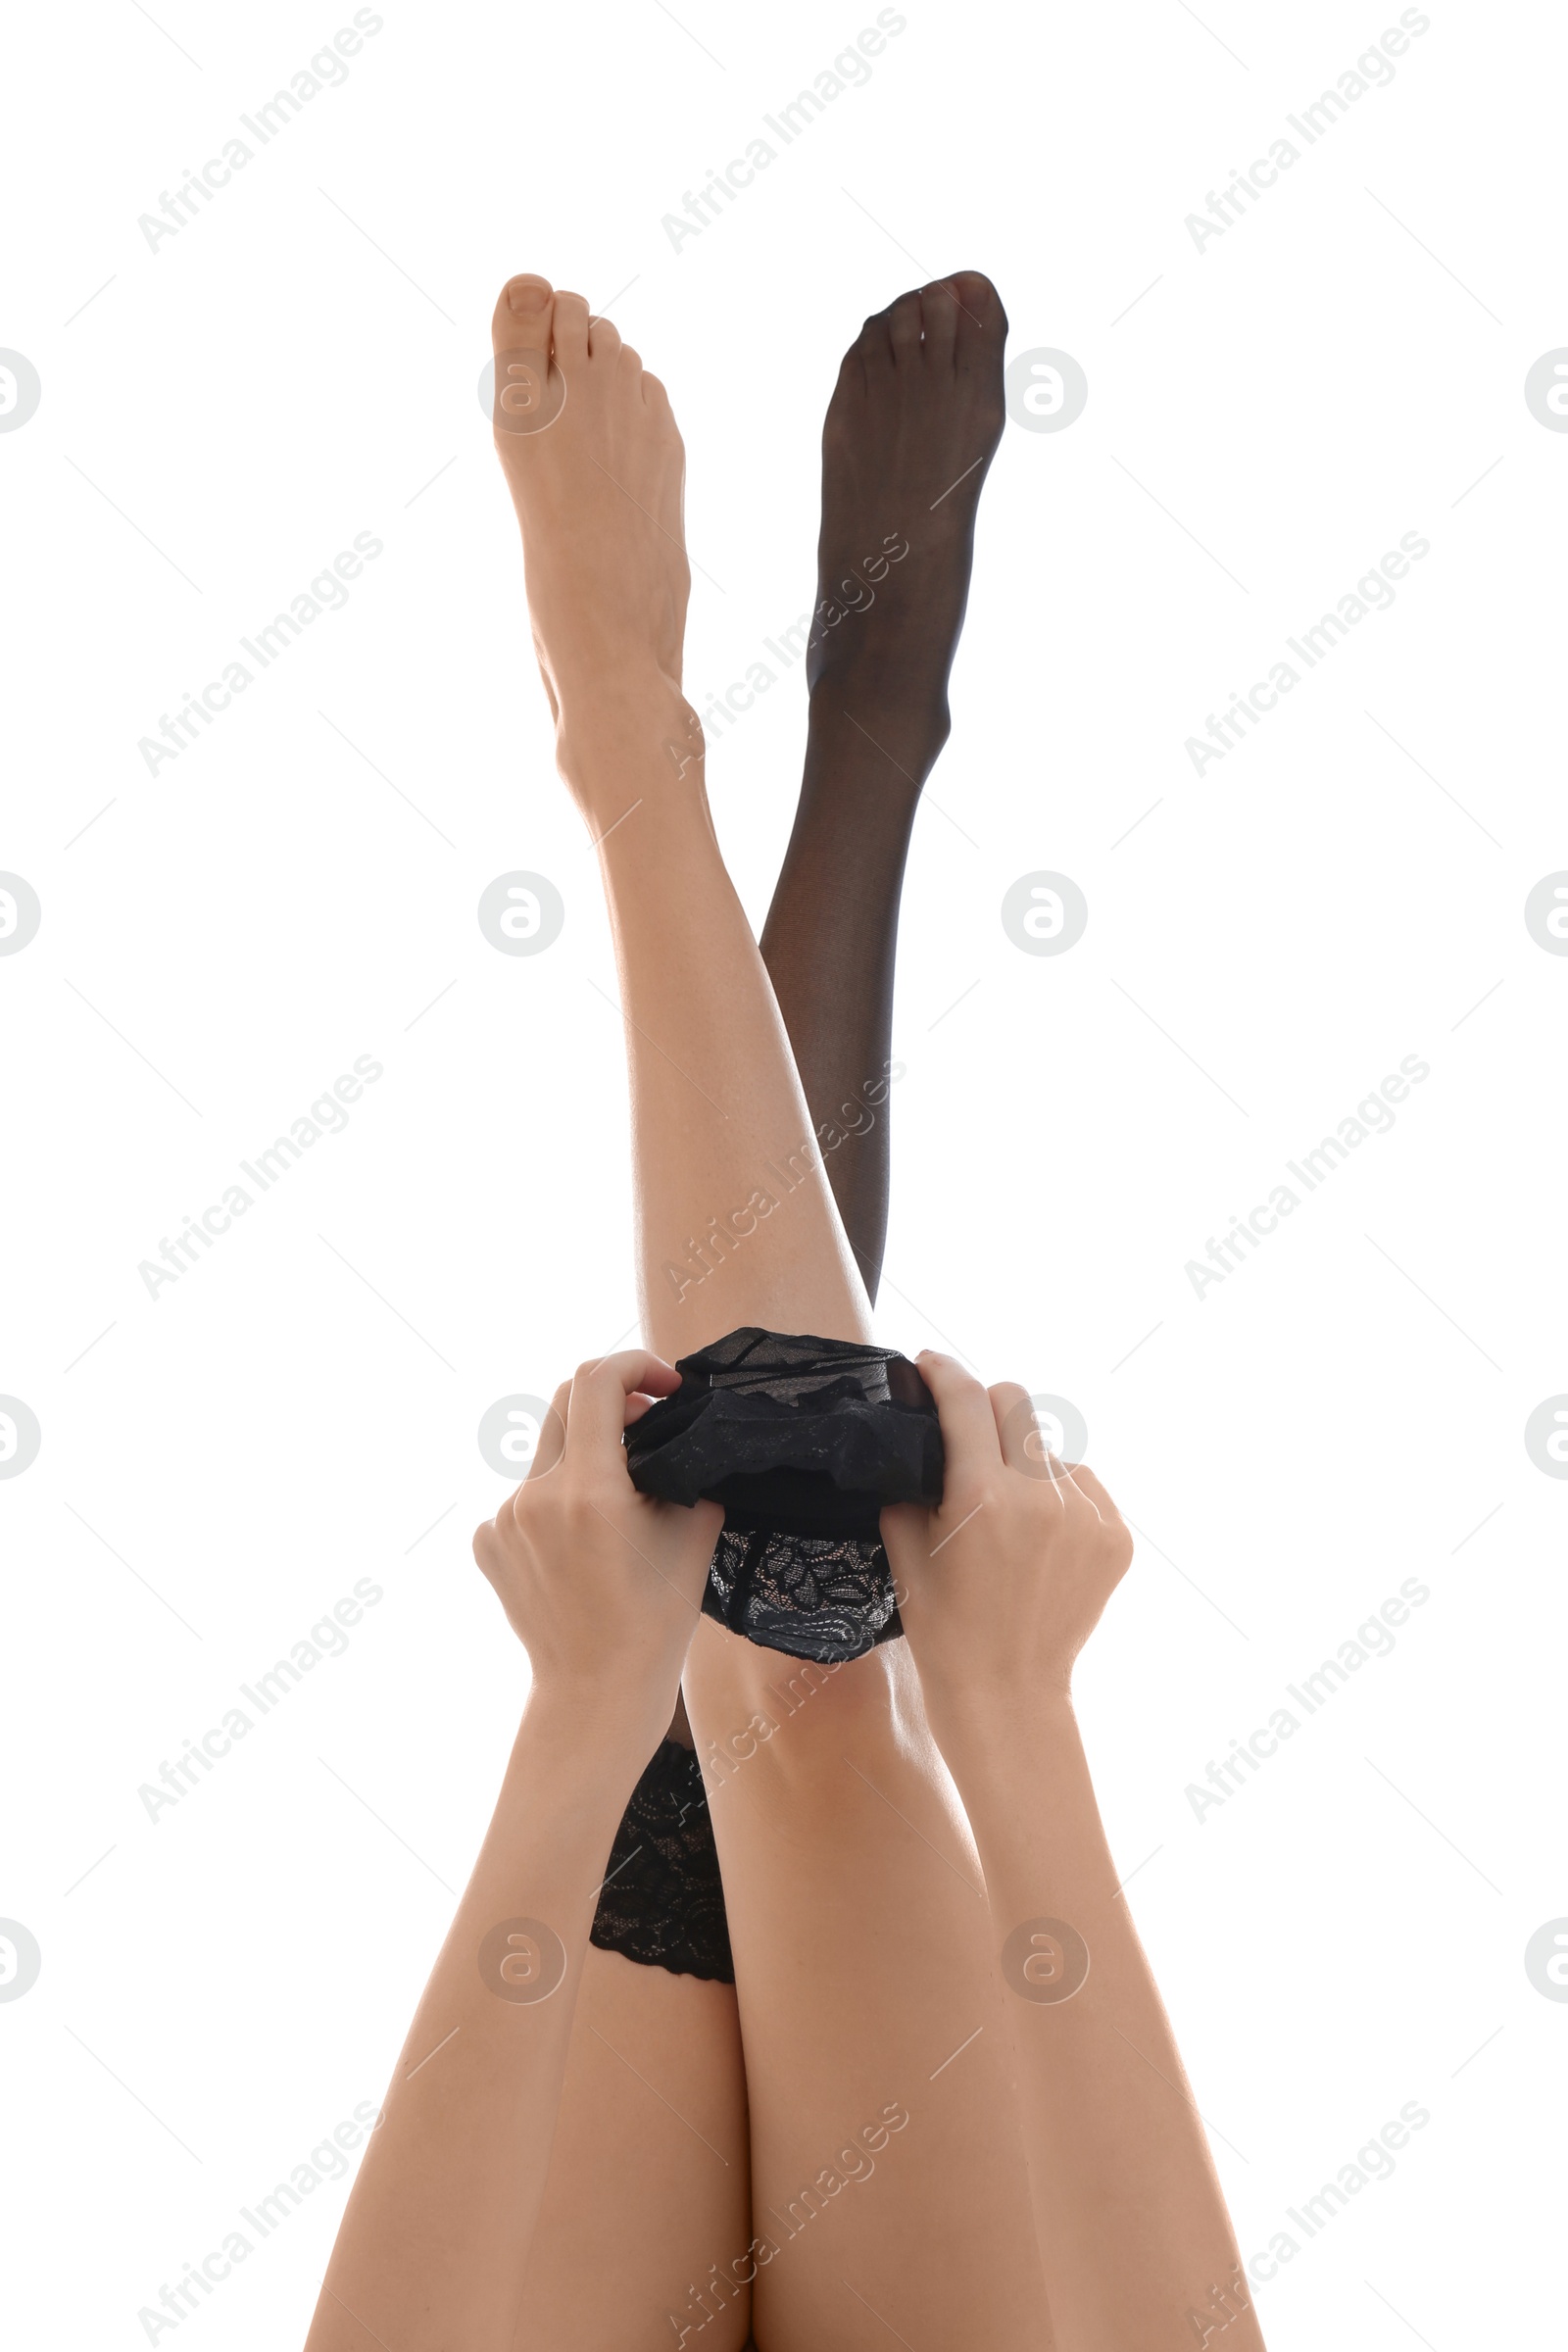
591 452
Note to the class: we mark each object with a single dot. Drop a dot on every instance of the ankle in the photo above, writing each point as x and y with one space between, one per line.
888 729
624 729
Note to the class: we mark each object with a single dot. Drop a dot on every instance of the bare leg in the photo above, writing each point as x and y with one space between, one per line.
649 2185
718 1115
856 1908
648 2180
887 2161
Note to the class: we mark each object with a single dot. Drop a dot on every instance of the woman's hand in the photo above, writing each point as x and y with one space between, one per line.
1001 1588
601 1586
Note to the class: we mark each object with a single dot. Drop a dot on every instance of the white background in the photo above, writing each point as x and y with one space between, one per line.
297 364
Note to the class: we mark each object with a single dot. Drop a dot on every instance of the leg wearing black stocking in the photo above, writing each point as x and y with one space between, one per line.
910 432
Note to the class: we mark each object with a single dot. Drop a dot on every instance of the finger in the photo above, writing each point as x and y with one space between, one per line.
1088 1484
1019 1431
597 1413
1025 1437
968 1425
1064 1477
552 1434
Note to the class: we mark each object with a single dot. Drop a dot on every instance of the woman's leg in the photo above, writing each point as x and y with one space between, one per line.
839 1761
888 2174
648 2186
909 434
866 1983
719 1120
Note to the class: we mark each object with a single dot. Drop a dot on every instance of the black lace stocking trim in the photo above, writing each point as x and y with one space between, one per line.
662 1900
802 1440
823 1597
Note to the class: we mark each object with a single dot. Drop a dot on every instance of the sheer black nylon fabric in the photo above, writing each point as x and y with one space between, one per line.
803 1441
662 1900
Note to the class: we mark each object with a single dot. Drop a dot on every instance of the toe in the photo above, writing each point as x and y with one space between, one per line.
904 324
632 376
939 309
521 329
572 330
656 401
873 347
604 339
521 321
853 373
981 319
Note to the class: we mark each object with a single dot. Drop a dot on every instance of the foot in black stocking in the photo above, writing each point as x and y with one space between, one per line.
910 433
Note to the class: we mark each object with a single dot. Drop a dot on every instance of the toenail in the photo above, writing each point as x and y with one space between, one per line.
524 295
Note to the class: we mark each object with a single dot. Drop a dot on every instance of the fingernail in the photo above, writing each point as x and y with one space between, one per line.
526 294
